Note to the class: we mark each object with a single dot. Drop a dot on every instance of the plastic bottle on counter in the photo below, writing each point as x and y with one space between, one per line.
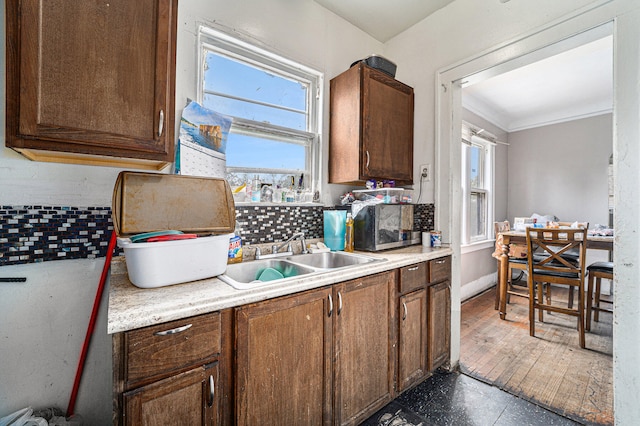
255 189
348 235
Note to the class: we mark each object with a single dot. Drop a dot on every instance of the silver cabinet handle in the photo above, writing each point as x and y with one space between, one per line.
161 123
172 331
212 391
415 268
339 303
330 305
404 306
368 158
441 261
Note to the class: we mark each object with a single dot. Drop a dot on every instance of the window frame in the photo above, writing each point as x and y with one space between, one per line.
218 42
487 189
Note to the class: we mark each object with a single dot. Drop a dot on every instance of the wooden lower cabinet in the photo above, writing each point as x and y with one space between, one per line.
439 323
412 339
364 359
185 399
317 358
327 356
175 373
283 361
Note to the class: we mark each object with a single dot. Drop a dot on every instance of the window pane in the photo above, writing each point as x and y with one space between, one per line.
255 152
476 170
477 214
255 112
242 80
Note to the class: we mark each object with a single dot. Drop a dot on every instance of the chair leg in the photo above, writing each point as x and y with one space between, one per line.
532 307
596 313
580 314
540 300
497 305
548 287
589 302
570 303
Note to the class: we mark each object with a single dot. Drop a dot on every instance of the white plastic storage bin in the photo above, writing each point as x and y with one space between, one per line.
164 263
153 202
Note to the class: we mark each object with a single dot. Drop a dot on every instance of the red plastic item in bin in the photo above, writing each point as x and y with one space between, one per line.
172 237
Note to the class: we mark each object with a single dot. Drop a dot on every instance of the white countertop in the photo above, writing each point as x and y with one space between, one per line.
131 307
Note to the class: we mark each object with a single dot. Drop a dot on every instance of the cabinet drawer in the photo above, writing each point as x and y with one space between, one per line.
154 351
412 277
439 269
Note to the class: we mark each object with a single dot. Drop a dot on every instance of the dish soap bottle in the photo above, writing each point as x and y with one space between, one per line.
235 246
348 235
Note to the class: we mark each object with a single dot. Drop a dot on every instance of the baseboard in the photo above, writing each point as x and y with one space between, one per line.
475 287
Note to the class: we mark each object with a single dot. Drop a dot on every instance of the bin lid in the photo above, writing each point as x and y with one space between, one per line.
145 202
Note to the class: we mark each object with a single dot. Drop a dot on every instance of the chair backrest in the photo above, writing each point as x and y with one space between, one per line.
553 246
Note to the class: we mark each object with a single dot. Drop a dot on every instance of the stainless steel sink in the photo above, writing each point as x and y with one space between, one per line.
246 275
332 260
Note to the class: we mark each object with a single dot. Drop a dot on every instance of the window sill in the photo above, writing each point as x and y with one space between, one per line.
480 245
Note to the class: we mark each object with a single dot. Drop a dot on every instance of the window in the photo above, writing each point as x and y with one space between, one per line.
477 187
275 105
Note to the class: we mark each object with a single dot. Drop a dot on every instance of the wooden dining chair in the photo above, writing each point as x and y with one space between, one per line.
596 272
554 268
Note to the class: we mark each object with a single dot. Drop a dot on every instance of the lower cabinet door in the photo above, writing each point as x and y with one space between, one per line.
364 361
188 398
439 296
283 370
412 338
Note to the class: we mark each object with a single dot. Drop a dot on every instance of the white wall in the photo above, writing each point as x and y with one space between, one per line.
44 320
562 169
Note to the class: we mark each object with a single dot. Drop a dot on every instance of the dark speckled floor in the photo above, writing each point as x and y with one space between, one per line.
458 400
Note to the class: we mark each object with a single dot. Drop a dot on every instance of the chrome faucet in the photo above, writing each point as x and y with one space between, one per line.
288 243
275 249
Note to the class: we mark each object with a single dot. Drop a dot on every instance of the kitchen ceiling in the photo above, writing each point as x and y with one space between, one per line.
573 84
383 19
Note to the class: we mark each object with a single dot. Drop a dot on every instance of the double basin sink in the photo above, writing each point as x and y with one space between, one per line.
258 273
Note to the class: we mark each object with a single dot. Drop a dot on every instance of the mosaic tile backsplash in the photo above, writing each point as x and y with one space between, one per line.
30 234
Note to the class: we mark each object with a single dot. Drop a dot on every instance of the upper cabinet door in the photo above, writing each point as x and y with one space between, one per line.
387 127
91 79
371 127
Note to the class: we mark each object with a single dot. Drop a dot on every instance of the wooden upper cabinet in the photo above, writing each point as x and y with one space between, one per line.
371 127
92 82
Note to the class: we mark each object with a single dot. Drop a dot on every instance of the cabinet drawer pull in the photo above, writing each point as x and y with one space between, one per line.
339 303
212 391
330 306
173 330
441 261
161 123
368 158
404 306
415 268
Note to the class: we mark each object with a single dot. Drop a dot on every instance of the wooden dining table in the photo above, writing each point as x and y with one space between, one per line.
594 242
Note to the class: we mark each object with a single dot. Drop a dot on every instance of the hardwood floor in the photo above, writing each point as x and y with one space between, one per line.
550 369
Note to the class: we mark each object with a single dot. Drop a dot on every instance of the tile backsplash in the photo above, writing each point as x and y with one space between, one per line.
30 234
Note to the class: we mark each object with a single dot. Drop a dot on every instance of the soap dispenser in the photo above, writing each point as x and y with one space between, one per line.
348 235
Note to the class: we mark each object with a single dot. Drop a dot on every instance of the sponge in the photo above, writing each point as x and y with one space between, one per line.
269 274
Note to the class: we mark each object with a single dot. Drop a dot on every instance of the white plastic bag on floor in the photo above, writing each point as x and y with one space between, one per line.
22 417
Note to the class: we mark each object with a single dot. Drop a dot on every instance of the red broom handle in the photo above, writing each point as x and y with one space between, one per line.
92 324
